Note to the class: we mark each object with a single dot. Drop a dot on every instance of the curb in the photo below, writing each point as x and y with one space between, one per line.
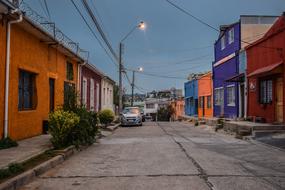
113 127
26 177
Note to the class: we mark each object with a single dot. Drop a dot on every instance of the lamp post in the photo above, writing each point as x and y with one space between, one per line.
141 26
140 69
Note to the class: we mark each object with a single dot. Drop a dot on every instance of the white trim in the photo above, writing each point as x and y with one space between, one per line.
225 59
84 91
218 88
231 85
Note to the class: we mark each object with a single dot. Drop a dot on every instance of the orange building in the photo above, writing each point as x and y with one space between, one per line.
178 106
41 69
205 107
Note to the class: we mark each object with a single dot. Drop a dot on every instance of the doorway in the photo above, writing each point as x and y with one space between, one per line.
51 94
279 100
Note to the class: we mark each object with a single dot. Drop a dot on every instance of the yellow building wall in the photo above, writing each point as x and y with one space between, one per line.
2 72
30 54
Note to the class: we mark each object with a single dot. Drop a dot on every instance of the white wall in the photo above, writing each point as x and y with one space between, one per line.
107 95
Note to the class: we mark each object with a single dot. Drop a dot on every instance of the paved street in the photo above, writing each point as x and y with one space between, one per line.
169 156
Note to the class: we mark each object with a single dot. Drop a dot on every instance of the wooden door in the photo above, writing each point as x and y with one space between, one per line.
279 100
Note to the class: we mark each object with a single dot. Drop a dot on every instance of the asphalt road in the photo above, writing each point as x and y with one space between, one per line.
169 156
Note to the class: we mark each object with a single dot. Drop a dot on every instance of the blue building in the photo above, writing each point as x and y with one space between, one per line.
191 97
229 80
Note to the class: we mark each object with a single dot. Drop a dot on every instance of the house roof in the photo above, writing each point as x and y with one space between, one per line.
276 28
266 69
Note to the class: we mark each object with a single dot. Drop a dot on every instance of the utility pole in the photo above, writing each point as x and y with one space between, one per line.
120 78
133 85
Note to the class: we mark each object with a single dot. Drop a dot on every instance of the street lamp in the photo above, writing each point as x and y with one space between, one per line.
140 69
141 26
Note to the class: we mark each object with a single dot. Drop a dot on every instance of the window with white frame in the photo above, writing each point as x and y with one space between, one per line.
219 96
223 42
150 106
231 36
265 92
84 92
231 95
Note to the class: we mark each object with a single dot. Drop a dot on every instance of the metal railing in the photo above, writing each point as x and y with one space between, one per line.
52 30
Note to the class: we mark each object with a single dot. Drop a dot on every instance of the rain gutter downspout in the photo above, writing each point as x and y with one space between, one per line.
7 74
79 73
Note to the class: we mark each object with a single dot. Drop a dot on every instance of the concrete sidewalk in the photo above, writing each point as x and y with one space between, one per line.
26 149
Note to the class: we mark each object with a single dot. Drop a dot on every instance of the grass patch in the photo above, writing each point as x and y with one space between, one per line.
15 169
7 143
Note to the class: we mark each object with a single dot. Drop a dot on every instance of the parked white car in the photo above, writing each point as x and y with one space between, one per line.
131 116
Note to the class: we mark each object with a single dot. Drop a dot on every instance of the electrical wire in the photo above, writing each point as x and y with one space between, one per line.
210 26
98 26
93 33
47 9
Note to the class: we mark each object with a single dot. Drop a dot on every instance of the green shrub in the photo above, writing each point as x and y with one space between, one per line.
61 127
106 116
15 168
164 114
7 143
85 131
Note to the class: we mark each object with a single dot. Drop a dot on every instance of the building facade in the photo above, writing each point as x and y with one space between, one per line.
107 93
5 8
37 83
91 81
178 107
205 104
229 80
191 97
266 74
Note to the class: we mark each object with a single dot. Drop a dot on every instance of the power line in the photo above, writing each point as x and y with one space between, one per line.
47 9
210 26
101 32
92 31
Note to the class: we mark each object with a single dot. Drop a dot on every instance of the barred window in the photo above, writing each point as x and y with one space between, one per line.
209 102
69 71
219 96
231 95
265 91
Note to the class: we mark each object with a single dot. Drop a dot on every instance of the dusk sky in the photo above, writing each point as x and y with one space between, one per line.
173 43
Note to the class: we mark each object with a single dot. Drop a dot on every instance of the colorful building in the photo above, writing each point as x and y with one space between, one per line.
178 107
266 74
5 8
205 107
91 79
191 97
36 82
228 74
107 91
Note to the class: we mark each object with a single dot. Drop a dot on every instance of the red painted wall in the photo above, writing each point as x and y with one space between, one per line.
258 56
88 74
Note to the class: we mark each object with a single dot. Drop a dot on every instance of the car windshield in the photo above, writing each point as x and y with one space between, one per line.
131 110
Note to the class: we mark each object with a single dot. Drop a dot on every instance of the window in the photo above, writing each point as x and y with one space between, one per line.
219 96
209 102
231 36
69 71
69 94
265 91
231 95
223 42
27 99
84 91
150 106
97 97
201 101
